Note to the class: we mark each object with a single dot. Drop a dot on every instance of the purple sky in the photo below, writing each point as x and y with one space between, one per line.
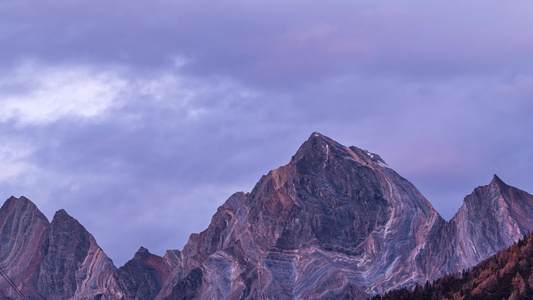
140 118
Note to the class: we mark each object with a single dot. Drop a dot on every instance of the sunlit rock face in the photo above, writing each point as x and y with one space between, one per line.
334 223
57 260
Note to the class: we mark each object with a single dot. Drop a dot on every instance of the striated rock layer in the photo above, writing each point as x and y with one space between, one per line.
334 223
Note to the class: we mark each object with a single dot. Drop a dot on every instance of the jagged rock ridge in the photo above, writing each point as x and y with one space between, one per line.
334 222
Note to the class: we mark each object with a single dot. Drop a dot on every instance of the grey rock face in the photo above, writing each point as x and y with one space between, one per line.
334 223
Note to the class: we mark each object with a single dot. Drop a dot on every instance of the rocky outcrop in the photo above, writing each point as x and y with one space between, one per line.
57 260
336 222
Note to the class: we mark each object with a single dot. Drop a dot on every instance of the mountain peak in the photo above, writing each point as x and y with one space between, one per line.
317 150
20 206
318 145
62 215
21 201
319 138
321 150
496 181
142 252
343 199
12 198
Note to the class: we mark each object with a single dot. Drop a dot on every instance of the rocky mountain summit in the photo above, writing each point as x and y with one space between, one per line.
335 222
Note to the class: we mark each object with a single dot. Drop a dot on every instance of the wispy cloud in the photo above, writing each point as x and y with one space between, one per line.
38 94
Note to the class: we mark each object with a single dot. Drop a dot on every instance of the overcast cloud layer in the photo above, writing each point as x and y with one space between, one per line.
140 118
